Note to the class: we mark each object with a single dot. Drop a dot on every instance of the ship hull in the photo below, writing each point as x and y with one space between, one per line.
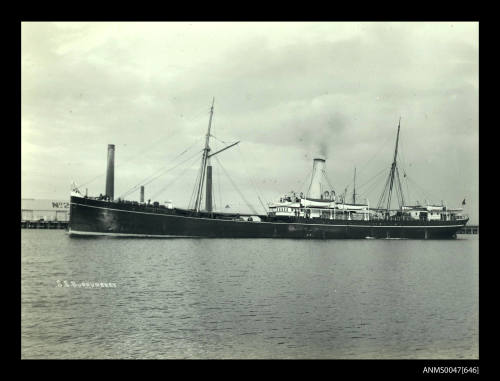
98 218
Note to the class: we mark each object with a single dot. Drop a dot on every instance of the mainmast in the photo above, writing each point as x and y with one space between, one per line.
393 174
393 168
204 161
206 169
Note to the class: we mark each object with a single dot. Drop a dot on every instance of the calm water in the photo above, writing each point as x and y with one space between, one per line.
209 298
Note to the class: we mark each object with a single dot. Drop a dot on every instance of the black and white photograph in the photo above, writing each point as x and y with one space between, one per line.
250 190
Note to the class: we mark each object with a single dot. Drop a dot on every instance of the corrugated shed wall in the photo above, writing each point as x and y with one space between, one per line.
49 210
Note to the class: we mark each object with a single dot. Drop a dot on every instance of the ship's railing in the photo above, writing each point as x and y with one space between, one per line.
392 218
409 218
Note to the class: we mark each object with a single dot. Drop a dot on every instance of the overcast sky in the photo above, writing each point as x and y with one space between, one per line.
289 91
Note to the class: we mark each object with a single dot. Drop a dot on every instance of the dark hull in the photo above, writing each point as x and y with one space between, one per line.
95 218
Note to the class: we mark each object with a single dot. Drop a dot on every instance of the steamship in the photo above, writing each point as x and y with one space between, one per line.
319 214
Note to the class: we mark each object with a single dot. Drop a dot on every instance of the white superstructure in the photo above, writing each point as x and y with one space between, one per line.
321 202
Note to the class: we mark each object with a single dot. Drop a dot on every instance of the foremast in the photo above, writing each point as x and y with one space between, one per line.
206 169
204 160
392 180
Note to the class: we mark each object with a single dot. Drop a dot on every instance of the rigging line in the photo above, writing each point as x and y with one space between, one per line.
349 184
307 180
383 145
199 186
202 110
374 182
404 198
212 130
214 198
91 181
395 185
249 205
262 204
399 193
353 183
402 160
218 185
119 165
328 180
384 193
403 141
270 182
172 161
407 187
398 199
182 153
158 171
126 160
404 167
161 174
369 190
420 191
303 183
425 196
251 179
426 193
173 180
400 188
146 149
214 204
358 187
191 199
235 187
417 194
374 186
372 178
221 141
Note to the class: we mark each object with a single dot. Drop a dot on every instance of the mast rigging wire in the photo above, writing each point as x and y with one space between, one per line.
251 180
236 188
163 168
375 184
372 178
191 199
133 156
159 174
366 164
173 180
